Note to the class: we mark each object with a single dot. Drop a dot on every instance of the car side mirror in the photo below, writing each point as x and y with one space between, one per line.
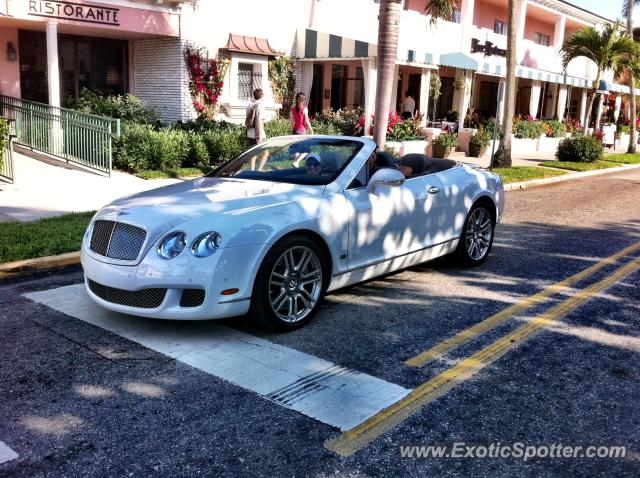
385 178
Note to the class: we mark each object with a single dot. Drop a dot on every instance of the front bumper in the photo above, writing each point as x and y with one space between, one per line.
227 268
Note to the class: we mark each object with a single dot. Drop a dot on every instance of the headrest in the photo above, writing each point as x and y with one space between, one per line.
330 161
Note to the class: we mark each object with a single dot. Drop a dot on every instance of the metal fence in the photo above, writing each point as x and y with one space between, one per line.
76 137
6 157
247 82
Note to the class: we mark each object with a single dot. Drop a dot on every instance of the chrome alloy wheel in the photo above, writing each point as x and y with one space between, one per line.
479 234
295 284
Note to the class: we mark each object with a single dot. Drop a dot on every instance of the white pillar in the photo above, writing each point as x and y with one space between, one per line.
534 99
425 91
583 106
466 12
501 102
551 101
523 19
53 70
462 96
616 111
596 127
394 89
558 33
562 102
370 83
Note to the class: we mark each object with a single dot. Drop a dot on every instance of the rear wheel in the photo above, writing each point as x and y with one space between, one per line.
477 236
290 284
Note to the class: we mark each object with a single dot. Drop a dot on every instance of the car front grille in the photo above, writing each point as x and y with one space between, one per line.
192 298
141 299
117 240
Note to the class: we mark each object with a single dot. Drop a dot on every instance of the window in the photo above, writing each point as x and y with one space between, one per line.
248 80
455 18
358 94
500 27
541 39
338 86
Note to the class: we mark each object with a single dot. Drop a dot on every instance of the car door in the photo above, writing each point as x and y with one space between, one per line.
391 221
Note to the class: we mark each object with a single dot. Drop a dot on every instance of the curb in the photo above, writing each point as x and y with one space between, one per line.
566 177
19 268
26 266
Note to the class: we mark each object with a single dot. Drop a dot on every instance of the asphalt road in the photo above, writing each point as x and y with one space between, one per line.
76 400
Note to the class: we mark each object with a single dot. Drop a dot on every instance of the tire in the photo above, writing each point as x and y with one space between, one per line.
477 236
284 297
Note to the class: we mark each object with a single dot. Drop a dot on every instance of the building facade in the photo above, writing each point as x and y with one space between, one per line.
52 49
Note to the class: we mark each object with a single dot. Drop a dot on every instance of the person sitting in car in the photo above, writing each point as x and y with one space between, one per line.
381 160
313 165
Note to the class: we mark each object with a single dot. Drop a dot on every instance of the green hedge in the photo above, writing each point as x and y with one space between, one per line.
527 129
581 149
127 107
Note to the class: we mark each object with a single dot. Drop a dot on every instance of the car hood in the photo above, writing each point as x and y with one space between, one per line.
161 209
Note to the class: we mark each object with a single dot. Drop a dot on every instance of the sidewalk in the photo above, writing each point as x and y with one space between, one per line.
52 188
530 159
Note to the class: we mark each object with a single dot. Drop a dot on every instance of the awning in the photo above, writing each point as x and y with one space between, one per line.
312 44
458 60
249 44
616 88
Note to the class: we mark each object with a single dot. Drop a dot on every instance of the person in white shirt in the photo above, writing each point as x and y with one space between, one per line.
408 106
254 120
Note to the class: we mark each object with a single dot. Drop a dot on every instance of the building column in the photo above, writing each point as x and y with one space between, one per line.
583 106
53 70
562 102
551 102
425 90
370 82
534 99
558 33
394 89
462 96
522 21
618 105
467 8
596 127
502 85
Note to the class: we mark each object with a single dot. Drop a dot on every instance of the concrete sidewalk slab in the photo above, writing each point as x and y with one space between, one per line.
51 188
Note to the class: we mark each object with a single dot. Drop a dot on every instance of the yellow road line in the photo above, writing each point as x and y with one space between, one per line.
357 438
480 328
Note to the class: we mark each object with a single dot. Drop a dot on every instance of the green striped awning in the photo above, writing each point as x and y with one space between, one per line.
312 44
616 88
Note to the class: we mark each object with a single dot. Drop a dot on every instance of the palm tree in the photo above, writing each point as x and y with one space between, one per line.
627 12
502 157
388 30
609 50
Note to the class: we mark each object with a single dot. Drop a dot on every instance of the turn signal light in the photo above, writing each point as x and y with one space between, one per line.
230 291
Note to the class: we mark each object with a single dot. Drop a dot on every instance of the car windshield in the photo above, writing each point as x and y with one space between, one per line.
313 161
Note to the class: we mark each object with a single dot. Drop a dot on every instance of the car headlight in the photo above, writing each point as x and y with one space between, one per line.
88 232
206 244
172 245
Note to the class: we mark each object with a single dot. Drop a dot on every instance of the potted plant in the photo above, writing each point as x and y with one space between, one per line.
479 142
443 144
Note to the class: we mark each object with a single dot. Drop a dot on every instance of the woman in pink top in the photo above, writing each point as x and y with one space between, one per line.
300 123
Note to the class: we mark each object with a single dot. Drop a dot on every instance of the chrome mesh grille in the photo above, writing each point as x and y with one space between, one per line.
141 299
117 240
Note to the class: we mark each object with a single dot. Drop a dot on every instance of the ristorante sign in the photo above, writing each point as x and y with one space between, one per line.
487 48
77 12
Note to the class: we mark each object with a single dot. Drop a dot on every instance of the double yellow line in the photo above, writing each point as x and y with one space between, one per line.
357 438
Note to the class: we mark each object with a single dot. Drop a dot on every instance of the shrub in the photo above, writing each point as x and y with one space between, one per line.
406 130
527 129
479 142
224 142
343 121
320 127
126 108
446 140
490 125
554 129
4 135
277 127
580 149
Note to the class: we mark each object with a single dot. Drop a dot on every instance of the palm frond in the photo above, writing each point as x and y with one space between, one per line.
441 9
625 6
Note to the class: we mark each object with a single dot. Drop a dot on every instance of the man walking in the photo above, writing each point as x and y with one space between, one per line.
408 106
254 120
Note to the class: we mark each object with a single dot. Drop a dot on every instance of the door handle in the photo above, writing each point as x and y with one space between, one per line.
433 190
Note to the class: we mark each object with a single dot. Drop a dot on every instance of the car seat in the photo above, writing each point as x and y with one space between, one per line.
419 163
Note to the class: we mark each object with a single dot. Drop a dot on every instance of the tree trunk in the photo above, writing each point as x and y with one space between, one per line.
587 117
632 86
388 29
502 157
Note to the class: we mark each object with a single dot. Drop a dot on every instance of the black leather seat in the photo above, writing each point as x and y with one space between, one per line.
419 163
385 160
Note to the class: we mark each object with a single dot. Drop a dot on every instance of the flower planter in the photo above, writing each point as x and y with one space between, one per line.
441 151
476 151
414 146
397 145
524 146
549 145
464 136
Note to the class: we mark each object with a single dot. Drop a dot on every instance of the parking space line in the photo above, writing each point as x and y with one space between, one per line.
480 328
357 438
332 394
6 453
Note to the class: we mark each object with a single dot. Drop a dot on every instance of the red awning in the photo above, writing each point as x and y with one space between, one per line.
253 45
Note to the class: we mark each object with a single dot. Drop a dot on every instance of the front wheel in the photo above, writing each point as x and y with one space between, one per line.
290 284
477 236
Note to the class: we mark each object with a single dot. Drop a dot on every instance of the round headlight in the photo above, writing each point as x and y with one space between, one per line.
172 245
206 244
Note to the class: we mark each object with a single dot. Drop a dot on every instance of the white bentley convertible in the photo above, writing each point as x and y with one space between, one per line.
272 230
